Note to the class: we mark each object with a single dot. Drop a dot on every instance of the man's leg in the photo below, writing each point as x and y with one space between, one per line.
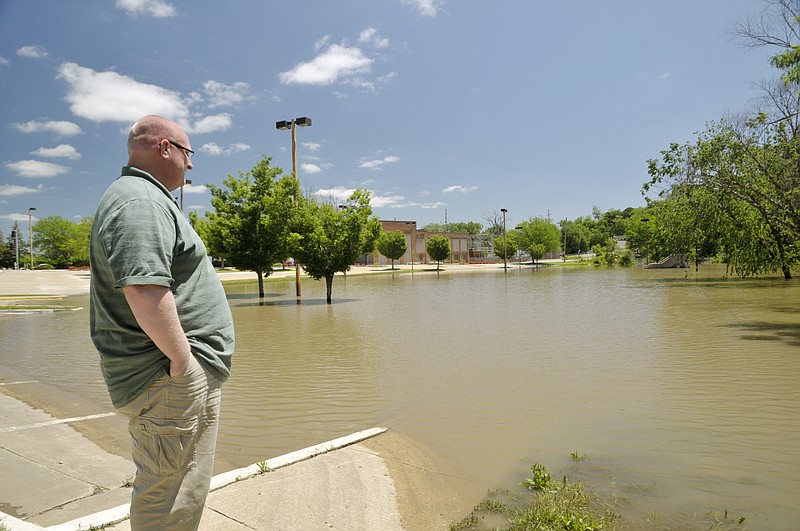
173 426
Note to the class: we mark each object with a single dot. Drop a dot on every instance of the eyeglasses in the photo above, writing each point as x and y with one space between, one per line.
186 150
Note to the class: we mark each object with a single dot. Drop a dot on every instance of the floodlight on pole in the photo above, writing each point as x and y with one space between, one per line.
30 233
283 125
505 241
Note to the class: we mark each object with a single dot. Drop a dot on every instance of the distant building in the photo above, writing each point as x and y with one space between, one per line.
415 241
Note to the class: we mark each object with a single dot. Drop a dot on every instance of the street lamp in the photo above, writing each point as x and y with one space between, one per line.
518 228
185 182
505 241
283 125
30 232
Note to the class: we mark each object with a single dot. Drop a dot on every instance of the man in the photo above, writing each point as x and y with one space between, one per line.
162 325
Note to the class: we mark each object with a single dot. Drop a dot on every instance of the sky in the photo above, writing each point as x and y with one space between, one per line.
446 110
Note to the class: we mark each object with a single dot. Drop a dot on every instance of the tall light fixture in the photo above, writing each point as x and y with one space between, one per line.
30 233
185 182
283 125
518 228
505 241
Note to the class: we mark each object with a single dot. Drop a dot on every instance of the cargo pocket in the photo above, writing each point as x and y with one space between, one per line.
164 447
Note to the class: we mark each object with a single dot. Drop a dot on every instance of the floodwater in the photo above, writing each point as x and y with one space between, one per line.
681 389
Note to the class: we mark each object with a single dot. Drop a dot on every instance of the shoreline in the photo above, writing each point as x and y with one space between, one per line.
66 282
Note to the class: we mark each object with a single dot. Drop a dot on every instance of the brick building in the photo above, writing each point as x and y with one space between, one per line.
415 241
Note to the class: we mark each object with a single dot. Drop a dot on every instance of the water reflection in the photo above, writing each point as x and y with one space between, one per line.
683 390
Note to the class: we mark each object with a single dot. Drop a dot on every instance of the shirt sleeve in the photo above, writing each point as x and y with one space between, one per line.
139 240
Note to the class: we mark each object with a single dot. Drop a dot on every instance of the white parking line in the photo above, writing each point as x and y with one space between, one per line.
54 422
17 383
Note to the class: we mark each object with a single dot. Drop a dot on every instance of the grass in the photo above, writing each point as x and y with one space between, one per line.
547 505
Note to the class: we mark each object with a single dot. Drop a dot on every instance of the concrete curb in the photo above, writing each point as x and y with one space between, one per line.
120 513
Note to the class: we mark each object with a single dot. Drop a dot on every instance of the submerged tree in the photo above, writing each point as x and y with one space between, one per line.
392 245
327 240
539 237
251 221
438 248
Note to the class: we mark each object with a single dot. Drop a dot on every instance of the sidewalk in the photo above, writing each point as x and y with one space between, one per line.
62 481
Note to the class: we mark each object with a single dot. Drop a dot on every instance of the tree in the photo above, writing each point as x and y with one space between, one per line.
392 245
539 237
61 242
328 240
252 218
438 248
472 227
506 246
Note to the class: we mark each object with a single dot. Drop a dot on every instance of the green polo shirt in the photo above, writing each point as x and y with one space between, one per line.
140 237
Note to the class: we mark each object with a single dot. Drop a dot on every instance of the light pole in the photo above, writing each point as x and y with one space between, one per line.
30 233
185 182
283 125
505 241
518 228
15 235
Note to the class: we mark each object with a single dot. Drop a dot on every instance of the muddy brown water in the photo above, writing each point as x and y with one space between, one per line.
681 389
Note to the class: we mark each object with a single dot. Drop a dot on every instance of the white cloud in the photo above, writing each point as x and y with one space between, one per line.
154 8
112 97
426 8
459 188
194 188
210 124
33 51
312 146
60 127
387 201
4 61
335 62
61 151
376 164
214 149
310 168
36 168
337 193
222 95
433 205
370 36
13 190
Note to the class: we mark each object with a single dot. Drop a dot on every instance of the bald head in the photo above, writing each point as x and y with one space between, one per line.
152 148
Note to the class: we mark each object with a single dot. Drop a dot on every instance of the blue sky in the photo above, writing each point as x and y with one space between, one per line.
452 108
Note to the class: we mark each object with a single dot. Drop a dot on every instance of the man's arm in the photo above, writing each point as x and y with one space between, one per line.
155 311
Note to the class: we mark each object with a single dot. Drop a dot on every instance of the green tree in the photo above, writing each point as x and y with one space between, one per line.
392 245
506 246
61 242
328 240
7 254
438 248
252 217
539 237
472 227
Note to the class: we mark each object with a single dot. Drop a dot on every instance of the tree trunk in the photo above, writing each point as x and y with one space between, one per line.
329 286
260 283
